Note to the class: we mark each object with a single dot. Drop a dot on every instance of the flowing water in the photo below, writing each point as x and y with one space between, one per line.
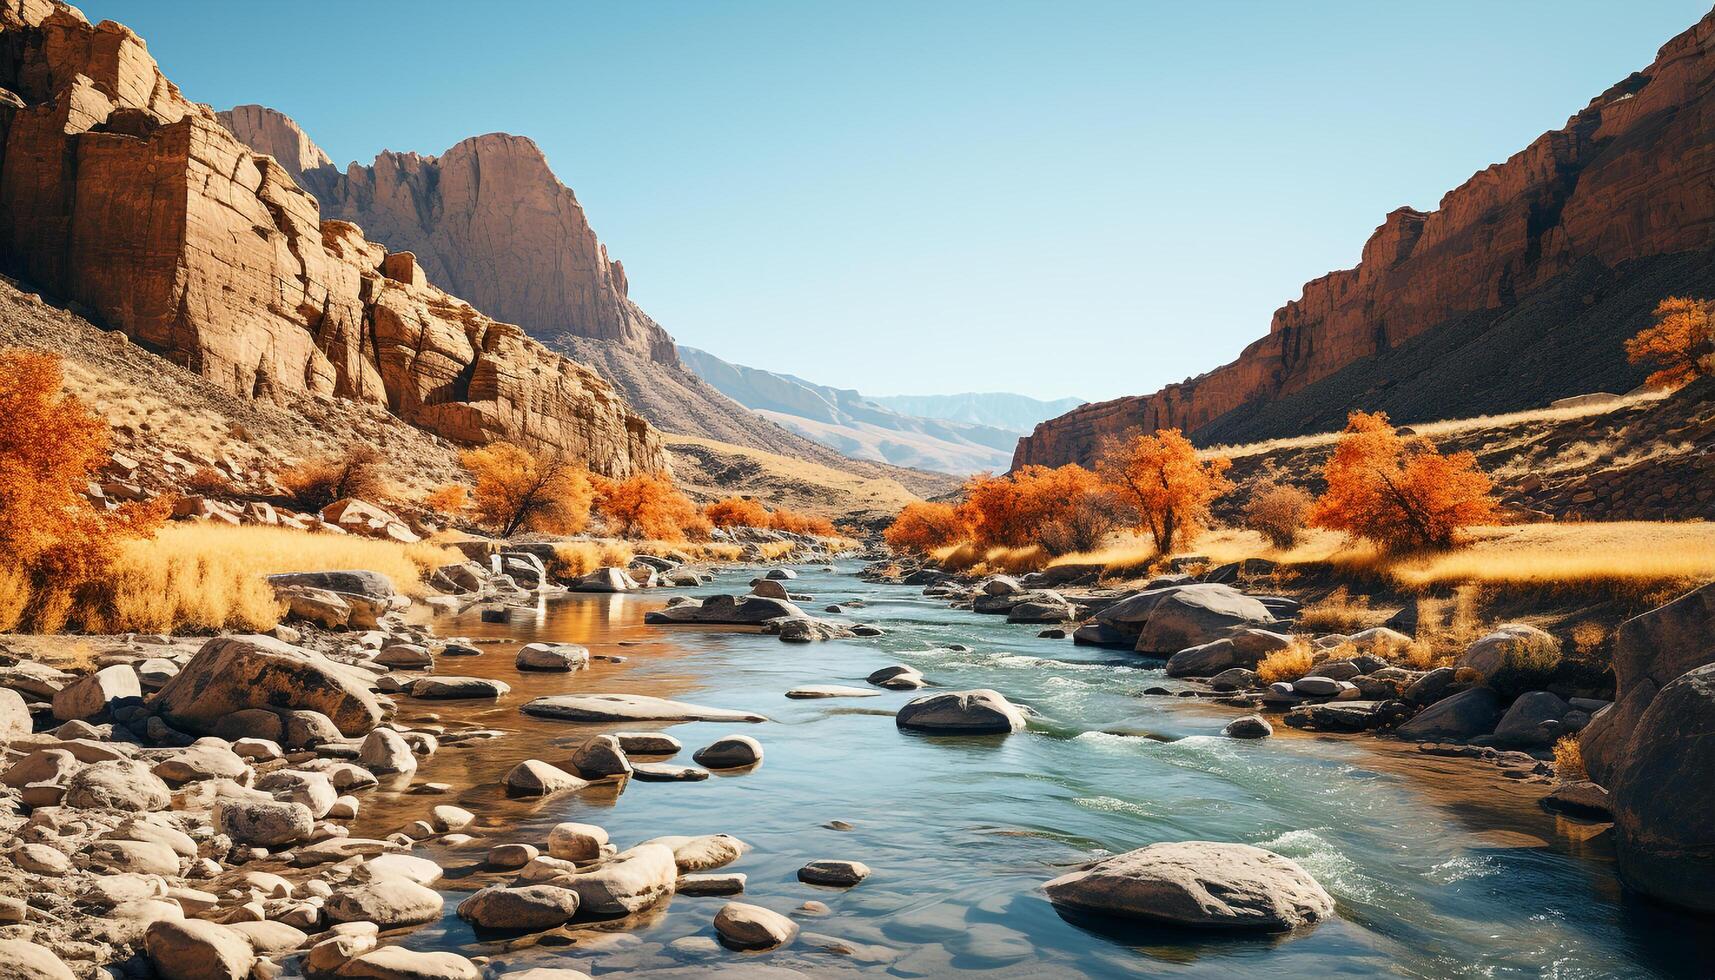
1440 867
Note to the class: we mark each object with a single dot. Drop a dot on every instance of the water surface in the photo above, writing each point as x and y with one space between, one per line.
1440 867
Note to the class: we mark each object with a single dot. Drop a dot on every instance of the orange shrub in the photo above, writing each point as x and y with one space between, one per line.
518 490
1069 504
1169 488
1681 342
1277 512
1401 494
796 523
736 512
450 499
53 542
648 506
924 526
315 483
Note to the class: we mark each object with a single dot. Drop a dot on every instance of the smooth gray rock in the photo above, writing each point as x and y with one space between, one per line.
1203 884
975 712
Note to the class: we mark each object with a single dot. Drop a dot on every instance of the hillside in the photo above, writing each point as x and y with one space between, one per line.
853 424
709 470
997 409
1514 292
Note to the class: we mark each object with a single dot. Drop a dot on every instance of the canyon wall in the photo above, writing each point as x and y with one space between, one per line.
1629 178
118 194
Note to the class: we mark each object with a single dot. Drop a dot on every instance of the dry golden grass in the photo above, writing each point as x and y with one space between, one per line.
1569 759
1290 664
212 576
1448 427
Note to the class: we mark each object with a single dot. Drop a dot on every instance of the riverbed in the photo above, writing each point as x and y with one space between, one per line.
1440 867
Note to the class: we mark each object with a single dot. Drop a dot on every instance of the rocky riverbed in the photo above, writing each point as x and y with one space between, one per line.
801 830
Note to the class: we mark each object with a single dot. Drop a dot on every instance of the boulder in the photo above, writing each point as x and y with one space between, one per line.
1663 797
314 790
1533 721
202 761
897 678
999 585
648 743
1249 726
1193 614
581 842
628 707
259 823
361 582
770 589
522 908
731 752
1580 797
606 579
389 901
230 674
743 926
1203 660
398 963
192 949
15 719
726 610
702 853
810 692
1489 655
975 712
601 756
118 784
1202 884
448 688
92 696
24 960
552 657
1461 716
533 777
632 881
835 874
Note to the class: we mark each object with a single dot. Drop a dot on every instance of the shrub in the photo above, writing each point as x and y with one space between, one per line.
1166 484
795 523
1289 664
1569 759
54 544
1276 511
519 490
1528 663
736 512
209 482
1400 494
648 506
315 483
1067 508
450 499
1681 342
924 526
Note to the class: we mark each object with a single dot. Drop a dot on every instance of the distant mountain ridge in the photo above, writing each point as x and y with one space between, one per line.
1000 409
856 425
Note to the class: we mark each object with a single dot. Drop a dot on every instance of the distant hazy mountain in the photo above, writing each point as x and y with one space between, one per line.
860 428
1003 410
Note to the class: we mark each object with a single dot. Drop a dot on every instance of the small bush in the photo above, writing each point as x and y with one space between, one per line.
796 523
737 512
449 500
925 526
315 483
1527 664
1277 512
209 482
1569 759
1290 664
648 506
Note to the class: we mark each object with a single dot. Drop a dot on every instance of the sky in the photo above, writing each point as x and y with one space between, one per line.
1055 198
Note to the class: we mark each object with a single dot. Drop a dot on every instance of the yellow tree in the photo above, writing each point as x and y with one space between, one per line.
518 490
1400 493
1166 484
649 506
1681 342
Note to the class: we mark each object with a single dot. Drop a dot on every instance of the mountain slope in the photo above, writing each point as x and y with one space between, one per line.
998 409
853 424
1577 222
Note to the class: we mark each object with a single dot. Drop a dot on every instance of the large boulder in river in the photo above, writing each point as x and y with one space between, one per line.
1463 716
726 610
607 579
631 881
1166 620
1663 795
236 673
977 712
1651 650
1202 884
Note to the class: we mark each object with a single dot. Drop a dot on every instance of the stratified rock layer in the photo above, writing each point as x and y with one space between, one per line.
118 193
1630 177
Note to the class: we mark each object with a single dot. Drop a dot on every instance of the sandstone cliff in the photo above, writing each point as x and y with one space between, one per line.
1629 179
121 195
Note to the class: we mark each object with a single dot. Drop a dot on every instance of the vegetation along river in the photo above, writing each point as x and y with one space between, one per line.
1439 866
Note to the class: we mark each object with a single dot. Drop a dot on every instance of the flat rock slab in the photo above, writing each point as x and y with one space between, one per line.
458 688
811 691
628 707
667 772
1204 884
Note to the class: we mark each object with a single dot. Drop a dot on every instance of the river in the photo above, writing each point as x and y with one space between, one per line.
1440 867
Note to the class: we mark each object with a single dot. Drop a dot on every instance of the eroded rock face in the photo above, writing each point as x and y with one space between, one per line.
120 194
1628 177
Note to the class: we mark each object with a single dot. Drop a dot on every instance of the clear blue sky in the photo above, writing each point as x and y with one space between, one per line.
1053 198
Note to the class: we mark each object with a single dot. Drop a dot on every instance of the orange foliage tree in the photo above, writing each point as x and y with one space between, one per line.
1681 342
1063 509
1400 493
648 506
1167 486
53 541
791 521
924 526
519 490
736 512
450 499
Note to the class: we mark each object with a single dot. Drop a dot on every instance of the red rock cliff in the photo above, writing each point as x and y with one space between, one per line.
120 194
1630 176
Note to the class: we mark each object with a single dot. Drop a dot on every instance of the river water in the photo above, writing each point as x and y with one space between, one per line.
1440 867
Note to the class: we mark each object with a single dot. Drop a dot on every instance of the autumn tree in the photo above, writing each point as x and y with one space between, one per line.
53 541
1681 342
1167 486
1277 511
736 512
648 506
925 525
314 483
1400 493
520 490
